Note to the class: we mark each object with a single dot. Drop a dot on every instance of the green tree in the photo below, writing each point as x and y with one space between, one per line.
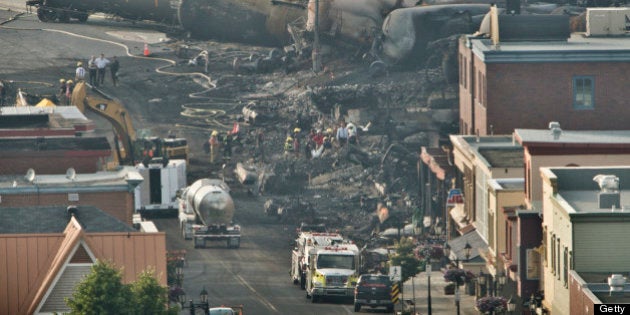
405 257
149 297
101 292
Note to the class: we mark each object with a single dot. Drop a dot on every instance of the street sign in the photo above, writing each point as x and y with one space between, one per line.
454 197
395 273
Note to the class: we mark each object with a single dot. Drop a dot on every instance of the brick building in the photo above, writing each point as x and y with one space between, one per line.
110 191
572 78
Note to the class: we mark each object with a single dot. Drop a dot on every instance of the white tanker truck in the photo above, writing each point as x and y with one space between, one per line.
206 210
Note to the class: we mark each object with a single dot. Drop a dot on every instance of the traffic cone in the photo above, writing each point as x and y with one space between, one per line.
146 50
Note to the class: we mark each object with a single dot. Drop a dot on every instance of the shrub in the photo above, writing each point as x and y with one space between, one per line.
492 304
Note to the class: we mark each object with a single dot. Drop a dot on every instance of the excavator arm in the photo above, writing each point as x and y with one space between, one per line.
115 113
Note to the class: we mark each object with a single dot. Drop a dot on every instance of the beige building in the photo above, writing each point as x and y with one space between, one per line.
503 194
492 175
582 225
557 147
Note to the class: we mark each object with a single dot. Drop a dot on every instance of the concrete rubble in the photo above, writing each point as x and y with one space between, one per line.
344 187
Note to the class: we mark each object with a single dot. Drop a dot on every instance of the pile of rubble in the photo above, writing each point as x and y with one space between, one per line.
346 187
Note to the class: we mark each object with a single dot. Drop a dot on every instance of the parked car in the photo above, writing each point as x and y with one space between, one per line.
373 290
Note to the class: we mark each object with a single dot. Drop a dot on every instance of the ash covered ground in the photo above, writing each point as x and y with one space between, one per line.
406 108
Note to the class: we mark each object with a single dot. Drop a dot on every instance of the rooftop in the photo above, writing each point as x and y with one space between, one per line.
115 180
54 219
579 137
51 117
577 188
597 282
517 184
577 48
497 151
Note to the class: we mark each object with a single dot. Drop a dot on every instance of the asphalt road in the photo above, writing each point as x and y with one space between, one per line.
35 55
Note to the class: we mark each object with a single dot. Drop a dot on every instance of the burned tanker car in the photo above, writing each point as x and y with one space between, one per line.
258 22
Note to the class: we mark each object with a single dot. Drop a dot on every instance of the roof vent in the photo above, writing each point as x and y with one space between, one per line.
72 211
617 283
609 196
30 175
554 126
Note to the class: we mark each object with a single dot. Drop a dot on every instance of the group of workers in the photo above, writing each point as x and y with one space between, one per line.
95 73
218 141
318 141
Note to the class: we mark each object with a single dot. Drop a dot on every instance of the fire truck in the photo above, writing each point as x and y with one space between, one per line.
305 242
325 264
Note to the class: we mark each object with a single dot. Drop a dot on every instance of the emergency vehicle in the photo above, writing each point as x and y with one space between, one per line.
330 265
305 242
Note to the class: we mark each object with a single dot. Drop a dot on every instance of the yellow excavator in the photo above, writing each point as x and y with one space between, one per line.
129 149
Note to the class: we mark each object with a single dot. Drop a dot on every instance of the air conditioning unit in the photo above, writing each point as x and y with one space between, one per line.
607 21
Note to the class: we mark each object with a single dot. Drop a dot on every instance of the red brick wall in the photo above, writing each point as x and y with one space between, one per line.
47 164
581 303
118 204
532 95
465 94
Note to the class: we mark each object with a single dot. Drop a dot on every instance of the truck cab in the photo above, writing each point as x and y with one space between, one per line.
373 290
332 271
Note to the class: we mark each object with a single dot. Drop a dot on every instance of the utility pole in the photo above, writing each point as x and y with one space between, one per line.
428 271
317 65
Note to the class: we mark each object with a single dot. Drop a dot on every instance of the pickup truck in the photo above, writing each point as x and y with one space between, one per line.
374 291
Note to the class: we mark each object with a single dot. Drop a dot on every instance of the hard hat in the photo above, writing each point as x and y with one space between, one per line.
297 130
70 81
215 133
329 130
79 64
289 138
62 80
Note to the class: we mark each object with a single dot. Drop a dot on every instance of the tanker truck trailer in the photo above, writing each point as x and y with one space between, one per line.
206 212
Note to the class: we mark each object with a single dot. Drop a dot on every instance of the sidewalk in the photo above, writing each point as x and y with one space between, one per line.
440 302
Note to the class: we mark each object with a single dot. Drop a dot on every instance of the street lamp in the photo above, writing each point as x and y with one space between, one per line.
500 282
482 283
179 274
204 305
467 251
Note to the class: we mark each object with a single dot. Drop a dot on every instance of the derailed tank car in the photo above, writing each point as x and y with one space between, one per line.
64 10
257 22
407 31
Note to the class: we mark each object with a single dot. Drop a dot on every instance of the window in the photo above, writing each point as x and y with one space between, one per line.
583 92
552 248
558 258
565 274
544 244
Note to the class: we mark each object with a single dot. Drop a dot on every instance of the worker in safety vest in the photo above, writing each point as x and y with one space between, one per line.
288 146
